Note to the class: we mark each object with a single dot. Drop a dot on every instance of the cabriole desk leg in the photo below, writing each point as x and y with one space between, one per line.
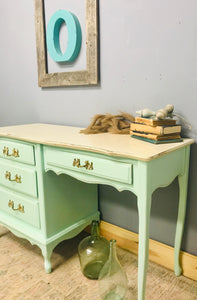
144 208
46 252
183 182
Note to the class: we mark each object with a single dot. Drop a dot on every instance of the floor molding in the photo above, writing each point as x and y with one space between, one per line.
159 253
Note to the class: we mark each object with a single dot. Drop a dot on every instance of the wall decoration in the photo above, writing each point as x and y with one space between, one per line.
48 43
74 33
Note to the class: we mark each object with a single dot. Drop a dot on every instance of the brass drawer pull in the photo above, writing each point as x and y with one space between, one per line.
88 165
17 178
15 152
19 208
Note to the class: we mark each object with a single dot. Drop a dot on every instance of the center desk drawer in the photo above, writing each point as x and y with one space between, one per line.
94 165
19 207
18 178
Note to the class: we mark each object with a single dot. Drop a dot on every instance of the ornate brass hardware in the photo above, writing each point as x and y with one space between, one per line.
88 165
15 152
19 208
17 178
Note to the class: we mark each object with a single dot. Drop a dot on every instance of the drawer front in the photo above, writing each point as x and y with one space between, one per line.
19 152
89 164
20 208
20 179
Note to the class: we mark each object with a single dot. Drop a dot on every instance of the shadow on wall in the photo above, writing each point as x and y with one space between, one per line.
120 208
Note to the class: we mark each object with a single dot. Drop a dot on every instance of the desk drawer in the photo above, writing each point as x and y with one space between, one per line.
20 179
19 152
99 166
19 207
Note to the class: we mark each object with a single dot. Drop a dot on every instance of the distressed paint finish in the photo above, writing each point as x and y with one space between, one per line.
67 200
84 77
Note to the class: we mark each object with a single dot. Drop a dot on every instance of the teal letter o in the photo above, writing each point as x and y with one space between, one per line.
74 36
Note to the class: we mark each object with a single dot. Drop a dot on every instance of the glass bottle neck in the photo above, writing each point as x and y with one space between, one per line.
112 253
95 230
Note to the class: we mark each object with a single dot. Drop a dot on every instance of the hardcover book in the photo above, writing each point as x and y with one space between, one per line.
156 137
160 130
155 122
156 142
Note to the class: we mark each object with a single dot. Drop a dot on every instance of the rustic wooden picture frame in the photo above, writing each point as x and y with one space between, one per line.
82 77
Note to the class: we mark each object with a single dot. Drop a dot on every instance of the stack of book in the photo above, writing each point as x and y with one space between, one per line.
156 131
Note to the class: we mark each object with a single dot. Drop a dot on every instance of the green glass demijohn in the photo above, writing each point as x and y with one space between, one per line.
113 283
93 252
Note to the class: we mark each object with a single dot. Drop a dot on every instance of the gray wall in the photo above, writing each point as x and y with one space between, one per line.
148 58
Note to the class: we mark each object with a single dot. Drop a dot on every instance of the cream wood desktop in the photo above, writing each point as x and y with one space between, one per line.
49 176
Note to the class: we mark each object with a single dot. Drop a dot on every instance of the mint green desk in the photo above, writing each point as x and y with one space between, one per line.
49 176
